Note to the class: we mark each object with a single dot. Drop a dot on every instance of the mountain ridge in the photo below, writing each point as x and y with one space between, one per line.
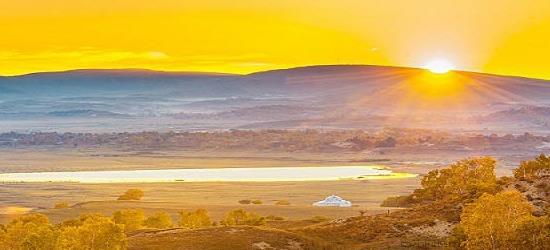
263 72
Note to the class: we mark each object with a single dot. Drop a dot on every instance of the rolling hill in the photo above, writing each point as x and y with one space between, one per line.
333 96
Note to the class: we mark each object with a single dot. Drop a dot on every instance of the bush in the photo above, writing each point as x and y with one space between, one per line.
132 219
242 217
92 232
534 233
257 202
61 205
245 202
197 219
398 201
131 194
160 220
282 203
529 170
457 238
274 218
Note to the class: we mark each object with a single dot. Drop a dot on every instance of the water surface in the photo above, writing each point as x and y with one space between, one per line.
210 175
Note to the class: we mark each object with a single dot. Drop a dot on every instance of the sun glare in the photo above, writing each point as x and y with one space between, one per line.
439 66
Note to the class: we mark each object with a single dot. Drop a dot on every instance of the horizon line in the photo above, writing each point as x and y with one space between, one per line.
257 72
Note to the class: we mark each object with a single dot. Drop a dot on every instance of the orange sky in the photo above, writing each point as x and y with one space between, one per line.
509 37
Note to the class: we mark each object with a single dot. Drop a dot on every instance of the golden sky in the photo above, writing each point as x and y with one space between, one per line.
509 37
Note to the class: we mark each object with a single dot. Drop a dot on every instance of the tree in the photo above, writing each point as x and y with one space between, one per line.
31 231
131 194
493 221
197 219
466 178
529 170
242 217
132 219
92 231
160 220
34 232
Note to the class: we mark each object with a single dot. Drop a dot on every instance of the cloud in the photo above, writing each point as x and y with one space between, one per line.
84 55
21 62
17 62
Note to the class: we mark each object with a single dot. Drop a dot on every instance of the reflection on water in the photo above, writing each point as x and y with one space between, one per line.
209 175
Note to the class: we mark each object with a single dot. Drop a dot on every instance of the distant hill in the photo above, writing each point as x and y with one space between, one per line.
338 81
91 82
533 115
339 95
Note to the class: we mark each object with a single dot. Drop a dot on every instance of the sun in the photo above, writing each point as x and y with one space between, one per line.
439 66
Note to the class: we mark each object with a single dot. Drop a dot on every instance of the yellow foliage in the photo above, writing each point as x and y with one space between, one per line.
534 233
534 168
61 205
131 194
492 221
31 231
242 217
93 232
465 178
159 220
282 203
197 219
132 219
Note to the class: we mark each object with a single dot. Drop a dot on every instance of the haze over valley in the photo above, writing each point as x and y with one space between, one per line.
317 97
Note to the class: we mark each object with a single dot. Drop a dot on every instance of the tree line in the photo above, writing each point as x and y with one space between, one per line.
99 232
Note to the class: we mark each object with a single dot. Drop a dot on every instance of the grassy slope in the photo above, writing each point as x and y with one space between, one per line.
242 237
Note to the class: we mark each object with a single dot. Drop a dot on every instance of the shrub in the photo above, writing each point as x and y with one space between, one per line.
274 218
132 219
528 170
242 217
160 220
245 202
282 203
197 219
534 233
257 202
61 205
131 194
398 201
457 238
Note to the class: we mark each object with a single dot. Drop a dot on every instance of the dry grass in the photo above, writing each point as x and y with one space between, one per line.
242 237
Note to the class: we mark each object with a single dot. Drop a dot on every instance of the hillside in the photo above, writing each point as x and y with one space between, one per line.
240 237
338 96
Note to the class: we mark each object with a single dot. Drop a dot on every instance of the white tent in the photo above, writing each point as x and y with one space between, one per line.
333 201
